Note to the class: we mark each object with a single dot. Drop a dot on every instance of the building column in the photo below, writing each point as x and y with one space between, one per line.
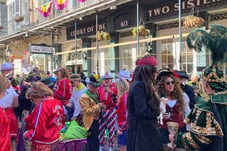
114 52
86 43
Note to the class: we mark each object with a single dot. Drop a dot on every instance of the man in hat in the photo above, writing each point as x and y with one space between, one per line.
91 107
6 69
78 89
189 90
208 118
107 94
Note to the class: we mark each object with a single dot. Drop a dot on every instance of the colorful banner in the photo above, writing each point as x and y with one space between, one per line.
81 1
60 4
45 9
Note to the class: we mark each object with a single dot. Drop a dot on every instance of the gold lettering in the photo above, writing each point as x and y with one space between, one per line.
157 11
165 9
150 13
176 7
190 4
183 5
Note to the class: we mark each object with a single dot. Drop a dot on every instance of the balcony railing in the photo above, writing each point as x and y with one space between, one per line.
32 17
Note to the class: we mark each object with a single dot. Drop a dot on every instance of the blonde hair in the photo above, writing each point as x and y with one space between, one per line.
2 84
122 86
38 90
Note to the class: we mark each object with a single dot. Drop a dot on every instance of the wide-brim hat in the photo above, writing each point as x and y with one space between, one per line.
92 81
47 82
181 74
107 75
7 66
164 73
124 74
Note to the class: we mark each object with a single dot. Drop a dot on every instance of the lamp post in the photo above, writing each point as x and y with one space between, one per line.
7 54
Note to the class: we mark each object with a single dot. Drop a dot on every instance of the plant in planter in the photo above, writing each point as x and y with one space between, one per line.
101 35
106 36
142 31
19 18
193 21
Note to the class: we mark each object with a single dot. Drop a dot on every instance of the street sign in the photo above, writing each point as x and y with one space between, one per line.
41 49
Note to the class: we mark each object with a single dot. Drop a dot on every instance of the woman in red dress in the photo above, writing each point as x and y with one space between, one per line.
46 119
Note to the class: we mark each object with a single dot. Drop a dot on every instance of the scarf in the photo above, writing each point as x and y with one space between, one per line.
81 86
94 97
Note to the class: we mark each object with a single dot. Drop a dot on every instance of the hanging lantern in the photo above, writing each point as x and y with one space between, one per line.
60 4
19 18
45 9
193 21
3 2
81 1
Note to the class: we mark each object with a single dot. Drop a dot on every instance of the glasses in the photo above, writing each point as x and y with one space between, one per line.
170 82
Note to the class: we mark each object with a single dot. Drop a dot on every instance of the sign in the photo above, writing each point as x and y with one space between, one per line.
85 30
125 20
41 49
171 8
17 66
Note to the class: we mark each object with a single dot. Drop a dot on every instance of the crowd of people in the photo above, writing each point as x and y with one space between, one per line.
136 108
129 107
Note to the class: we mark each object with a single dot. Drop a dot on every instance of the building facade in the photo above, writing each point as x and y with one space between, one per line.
73 41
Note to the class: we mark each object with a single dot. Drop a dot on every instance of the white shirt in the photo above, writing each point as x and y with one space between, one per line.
7 100
187 109
75 99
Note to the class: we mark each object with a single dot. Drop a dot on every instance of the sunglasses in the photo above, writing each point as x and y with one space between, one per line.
170 82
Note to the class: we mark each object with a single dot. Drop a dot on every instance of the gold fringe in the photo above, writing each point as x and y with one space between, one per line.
191 141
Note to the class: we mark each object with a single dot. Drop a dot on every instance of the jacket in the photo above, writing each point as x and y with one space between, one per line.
122 112
208 126
143 129
62 91
106 97
45 122
90 110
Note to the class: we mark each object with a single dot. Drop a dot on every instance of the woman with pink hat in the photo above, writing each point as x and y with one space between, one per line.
122 86
107 94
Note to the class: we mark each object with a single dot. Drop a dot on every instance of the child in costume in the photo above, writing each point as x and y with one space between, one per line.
107 94
91 108
208 118
46 119
122 86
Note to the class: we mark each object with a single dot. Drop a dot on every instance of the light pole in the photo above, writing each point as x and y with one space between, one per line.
7 54
137 24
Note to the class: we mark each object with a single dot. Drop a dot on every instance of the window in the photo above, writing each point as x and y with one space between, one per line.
167 54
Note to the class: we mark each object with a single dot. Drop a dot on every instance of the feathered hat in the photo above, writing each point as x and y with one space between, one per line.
216 42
